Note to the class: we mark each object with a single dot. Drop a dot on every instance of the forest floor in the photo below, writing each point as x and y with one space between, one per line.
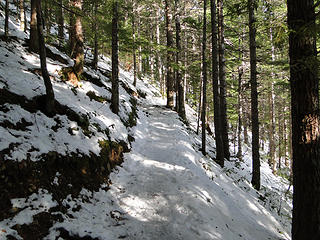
164 191
54 172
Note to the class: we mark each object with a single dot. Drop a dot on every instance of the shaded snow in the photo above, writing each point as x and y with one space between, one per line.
28 207
165 189
163 192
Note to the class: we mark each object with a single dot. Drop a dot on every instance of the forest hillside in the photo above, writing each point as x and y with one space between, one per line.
87 173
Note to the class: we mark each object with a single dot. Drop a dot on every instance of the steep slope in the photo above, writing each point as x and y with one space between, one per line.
54 171
162 191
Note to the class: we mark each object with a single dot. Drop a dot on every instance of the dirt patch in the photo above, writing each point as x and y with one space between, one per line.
39 228
21 125
105 73
9 38
133 115
92 95
66 235
38 104
56 57
96 81
60 175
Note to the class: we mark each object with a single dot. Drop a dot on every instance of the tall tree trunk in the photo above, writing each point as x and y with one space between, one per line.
33 41
180 82
290 142
304 84
6 21
285 138
115 60
159 62
245 122
204 77
185 73
222 78
200 101
254 97
42 51
72 40
46 16
215 86
151 57
96 45
280 131
134 55
25 17
22 18
170 54
271 132
78 53
60 23
240 73
140 67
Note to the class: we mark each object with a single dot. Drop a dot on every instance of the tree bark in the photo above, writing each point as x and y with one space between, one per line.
25 16
78 53
134 47
60 23
33 41
254 97
200 101
140 64
42 51
240 73
222 79
170 55
115 60
280 131
204 77
159 61
22 18
285 138
180 82
72 40
46 17
304 84
96 45
6 21
215 86
271 131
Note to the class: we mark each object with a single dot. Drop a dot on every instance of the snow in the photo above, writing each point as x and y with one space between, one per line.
165 189
16 65
162 191
28 207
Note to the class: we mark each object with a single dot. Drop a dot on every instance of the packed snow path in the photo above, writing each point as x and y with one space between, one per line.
162 192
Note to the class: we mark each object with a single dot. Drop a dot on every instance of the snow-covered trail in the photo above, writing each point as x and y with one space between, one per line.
163 192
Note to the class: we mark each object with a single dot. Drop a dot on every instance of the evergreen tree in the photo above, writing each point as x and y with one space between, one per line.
304 84
179 82
222 81
77 38
215 85
33 40
254 97
170 54
6 21
49 105
204 77
60 18
115 60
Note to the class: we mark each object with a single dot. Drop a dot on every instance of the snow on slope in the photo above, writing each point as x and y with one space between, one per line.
165 189
162 191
